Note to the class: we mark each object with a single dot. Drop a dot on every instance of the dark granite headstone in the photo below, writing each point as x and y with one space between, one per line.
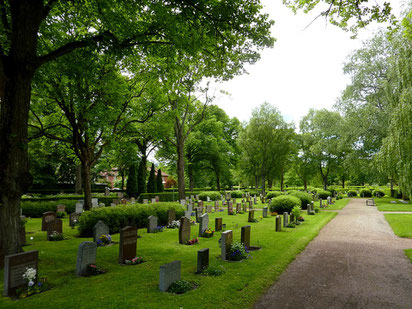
22 235
184 230
218 224
230 208
251 216
127 246
226 242
54 226
278 224
47 217
238 207
245 235
202 259
285 219
74 219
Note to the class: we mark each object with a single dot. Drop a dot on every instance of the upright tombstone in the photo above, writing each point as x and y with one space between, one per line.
198 214
218 224
55 225
292 218
243 206
120 195
145 201
254 199
15 266
285 219
245 236
106 191
22 238
204 223
188 214
200 204
216 206
183 202
127 245
95 202
320 203
152 224
278 224
208 198
168 274
132 200
123 201
60 208
209 209
86 254
157 198
184 230
251 216
79 208
226 242
99 229
171 216
116 201
238 207
197 197
250 204
228 196
74 219
47 217
190 207
230 209
265 212
153 200
202 260
308 208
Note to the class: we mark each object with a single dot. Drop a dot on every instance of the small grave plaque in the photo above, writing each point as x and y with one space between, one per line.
202 260
99 229
106 191
55 225
226 242
183 202
218 224
47 217
132 200
127 246
157 199
245 236
152 224
168 274
95 202
15 266
86 254
184 230
153 200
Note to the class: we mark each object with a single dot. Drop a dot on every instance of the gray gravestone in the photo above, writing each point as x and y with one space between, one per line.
226 242
190 208
61 208
106 191
238 207
209 209
120 195
251 216
308 209
95 202
99 229
265 212
47 217
183 202
320 203
216 206
153 200
74 219
278 224
188 214
132 200
168 274
184 230
202 260
79 208
86 254
15 266
244 207
245 236
127 245
152 224
204 223
218 224
285 219
145 201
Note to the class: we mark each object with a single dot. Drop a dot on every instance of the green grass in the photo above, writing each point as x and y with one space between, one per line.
137 286
384 204
408 253
400 224
339 204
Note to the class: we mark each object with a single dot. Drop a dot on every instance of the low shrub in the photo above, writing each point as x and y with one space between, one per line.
284 203
35 209
305 198
181 286
352 193
378 193
323 194
163 196
272 194
365 193
120 216
213 195
237 194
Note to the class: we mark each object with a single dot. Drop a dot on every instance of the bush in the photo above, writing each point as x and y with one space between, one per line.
284 203
35 209
365 193
378 193
126 215
323 194
237 194
181 286
272 194
305 198
213 195
352 193
163 196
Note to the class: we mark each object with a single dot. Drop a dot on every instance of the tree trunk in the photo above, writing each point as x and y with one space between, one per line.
270 183
256 182
87 186
343 181
281 180
305 185
392 191
217 181
191 178
78 182
180 167
325 183
263 184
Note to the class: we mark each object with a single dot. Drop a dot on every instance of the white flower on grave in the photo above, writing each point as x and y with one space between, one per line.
31 238
30 275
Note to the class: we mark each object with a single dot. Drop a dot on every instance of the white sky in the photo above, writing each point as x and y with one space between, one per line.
303 70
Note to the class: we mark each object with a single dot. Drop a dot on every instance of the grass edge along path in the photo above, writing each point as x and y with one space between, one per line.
401 224
137 286
408 253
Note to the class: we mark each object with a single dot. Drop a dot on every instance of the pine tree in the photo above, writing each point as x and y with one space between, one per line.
151 183
159 181
131 186
141 182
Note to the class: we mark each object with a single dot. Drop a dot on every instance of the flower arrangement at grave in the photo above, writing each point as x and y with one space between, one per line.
238 252
181 286
274 213
214 271
291 225
193 241
61 214
32 287
135 261
208 233
94 269
56 236
192 222
175 224
104 240
301 219
158 229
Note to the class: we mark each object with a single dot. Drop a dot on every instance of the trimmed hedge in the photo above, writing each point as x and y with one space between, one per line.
304 197
284 203
118 217
163 196
237 194
272 194
323 194
365 193
352 193
378 193
213 195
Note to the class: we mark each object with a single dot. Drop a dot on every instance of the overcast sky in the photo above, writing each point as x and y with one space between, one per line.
303 70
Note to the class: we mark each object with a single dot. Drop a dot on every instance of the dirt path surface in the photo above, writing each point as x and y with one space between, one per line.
355 262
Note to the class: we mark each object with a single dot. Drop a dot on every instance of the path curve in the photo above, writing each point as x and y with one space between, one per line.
356 261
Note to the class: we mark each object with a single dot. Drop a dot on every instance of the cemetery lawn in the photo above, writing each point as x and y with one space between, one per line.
408 253
338 205
137 286
400 224
384 204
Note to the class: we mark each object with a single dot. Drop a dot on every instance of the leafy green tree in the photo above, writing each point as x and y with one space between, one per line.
159 181
151 183
303 162
131 187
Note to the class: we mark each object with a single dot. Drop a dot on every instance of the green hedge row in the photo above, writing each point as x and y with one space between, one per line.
284 203
118 217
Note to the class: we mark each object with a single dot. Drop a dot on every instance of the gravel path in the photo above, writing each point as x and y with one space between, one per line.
355 262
